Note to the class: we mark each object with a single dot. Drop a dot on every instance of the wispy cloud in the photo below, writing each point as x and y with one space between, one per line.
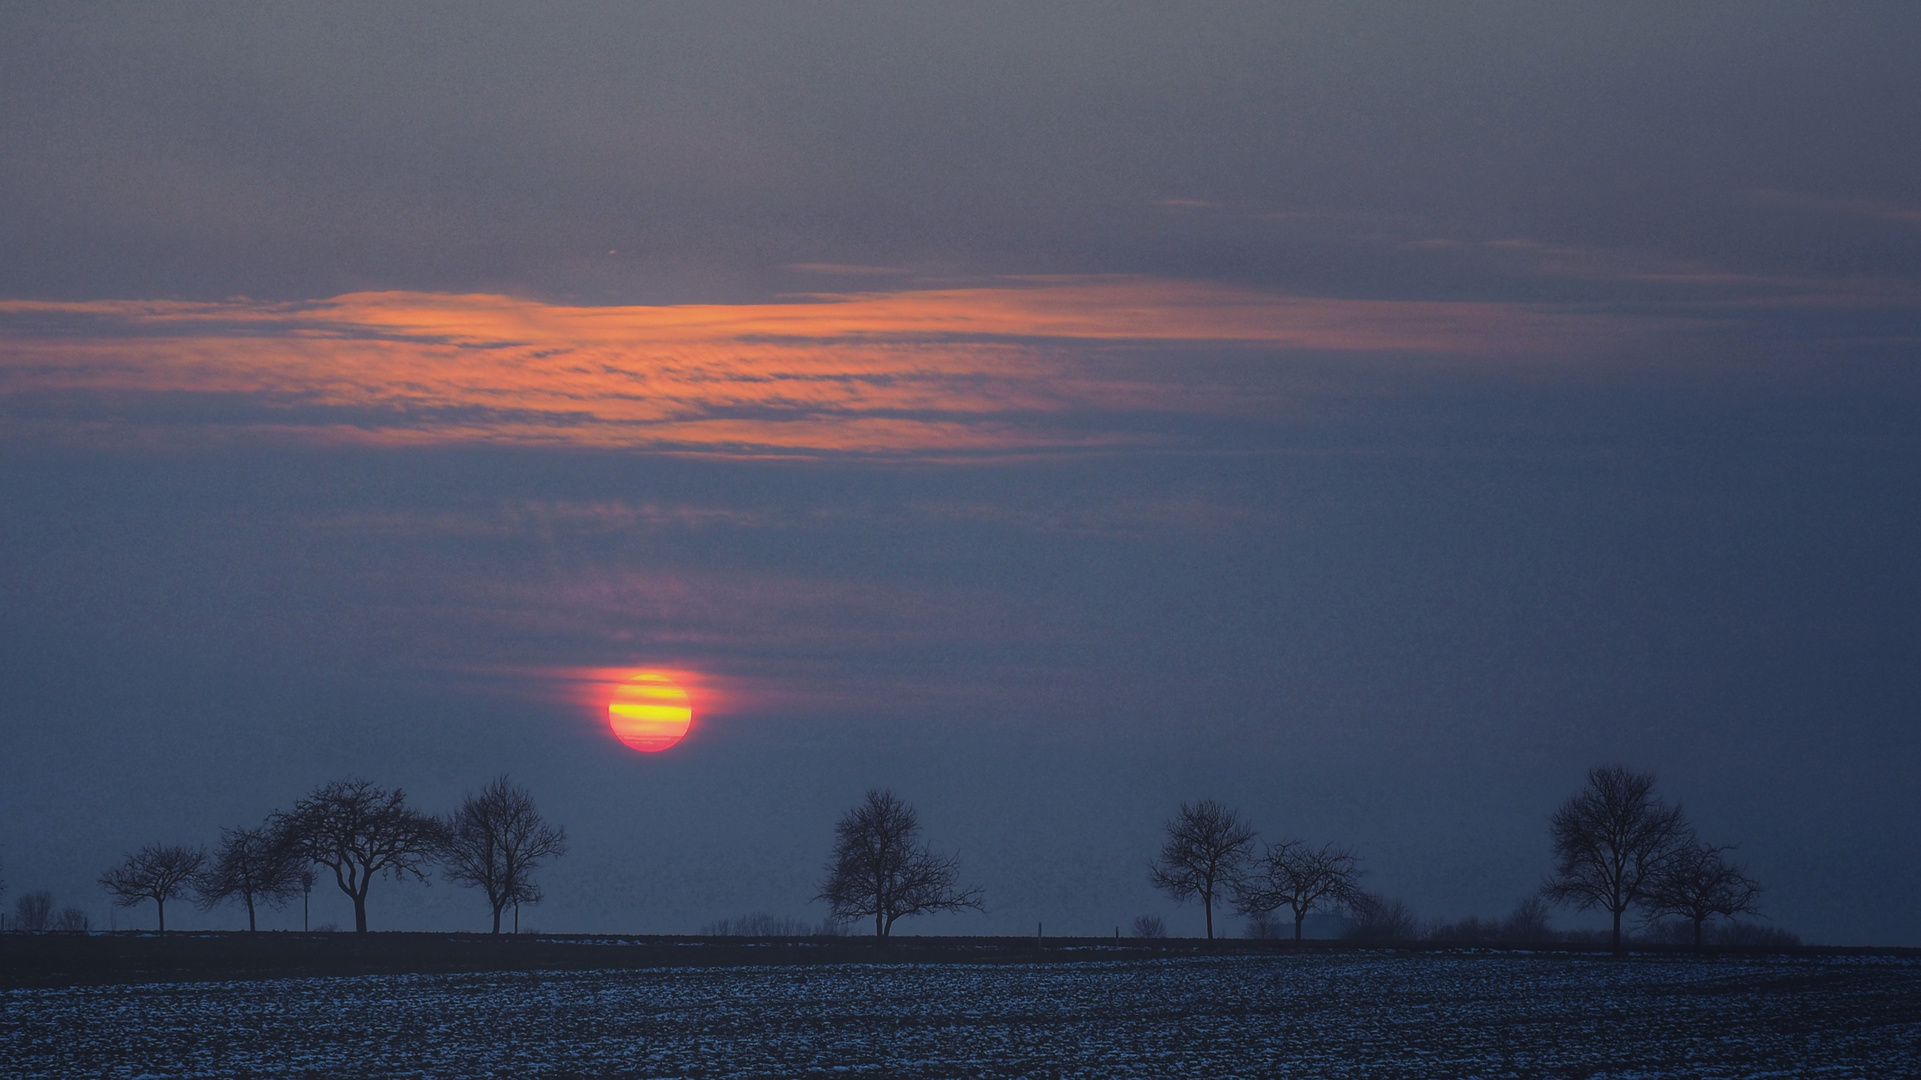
1698 289
960 371
1907 213
845 269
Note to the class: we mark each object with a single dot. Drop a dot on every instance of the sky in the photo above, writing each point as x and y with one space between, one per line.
1370 416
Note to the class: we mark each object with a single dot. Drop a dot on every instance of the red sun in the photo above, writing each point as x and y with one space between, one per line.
650 711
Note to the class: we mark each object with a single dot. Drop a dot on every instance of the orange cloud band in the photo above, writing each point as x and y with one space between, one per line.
964 370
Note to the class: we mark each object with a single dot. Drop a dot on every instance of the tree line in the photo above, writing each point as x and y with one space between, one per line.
355 831
1617 847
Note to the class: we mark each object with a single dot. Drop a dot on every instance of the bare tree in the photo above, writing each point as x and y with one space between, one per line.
249 865
358 830
305 877
33 912
1611 841
1207 845
72 920
880 869
1300 878
155 873
496 842
1696 883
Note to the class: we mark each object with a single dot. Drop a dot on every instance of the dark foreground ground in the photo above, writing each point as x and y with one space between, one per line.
47 960
1309 1014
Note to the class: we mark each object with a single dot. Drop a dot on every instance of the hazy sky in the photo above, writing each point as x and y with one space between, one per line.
1367 415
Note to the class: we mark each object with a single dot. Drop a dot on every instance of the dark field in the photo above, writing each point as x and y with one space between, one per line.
1375 1015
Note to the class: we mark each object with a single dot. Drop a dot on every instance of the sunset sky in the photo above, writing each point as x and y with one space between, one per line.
1367 415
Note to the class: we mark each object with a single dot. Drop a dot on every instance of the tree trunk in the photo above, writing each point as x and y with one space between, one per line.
1207 905
251 928
1617 932
1697 932
360 913
162 905
497 908
1299 918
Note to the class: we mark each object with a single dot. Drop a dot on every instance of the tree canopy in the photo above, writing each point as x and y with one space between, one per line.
1207 846
1611 841
359 830
249 865
155 872
1300 878
495 842
879 868
1697 883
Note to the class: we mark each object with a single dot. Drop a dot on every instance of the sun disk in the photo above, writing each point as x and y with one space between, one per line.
650 712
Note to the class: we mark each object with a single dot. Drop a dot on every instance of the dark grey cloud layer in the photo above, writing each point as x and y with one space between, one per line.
295 150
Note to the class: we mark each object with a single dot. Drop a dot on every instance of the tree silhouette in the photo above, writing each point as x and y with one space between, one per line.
1611 840
33 912
1696 883
154 873
305 877
358 830
247 864
496 841
879 869
1300 878
1207 844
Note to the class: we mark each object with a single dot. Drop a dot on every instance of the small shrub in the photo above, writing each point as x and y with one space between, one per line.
1469 931
1753 935
1668 932
1527 923
758 924
1263 926
1149 926
72 920
33 912
1376 918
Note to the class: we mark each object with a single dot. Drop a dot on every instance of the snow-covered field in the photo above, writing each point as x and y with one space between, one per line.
1310 1016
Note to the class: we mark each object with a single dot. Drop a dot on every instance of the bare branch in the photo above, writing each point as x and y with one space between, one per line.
1302 879
1697 883
1206 848
879 869
1611 840
154 873
496 840
248 865
359 830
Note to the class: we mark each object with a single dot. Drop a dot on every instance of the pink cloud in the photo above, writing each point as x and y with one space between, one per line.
926 372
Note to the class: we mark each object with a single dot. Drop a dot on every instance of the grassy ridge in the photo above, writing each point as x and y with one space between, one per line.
68 959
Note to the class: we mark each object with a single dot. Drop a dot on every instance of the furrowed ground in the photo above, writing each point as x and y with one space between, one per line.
1324 1015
